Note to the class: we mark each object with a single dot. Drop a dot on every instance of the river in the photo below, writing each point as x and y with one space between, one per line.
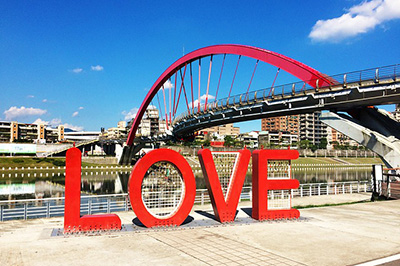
45 184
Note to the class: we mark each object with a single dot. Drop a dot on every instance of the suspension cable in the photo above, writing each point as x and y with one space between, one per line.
170 103
176 75
180 90
198 102
165 107
184 90
254 71
273 83
159 105
191 85
220 75
208 82
234 76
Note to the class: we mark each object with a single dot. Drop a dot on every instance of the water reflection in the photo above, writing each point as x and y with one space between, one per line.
324 175
46 185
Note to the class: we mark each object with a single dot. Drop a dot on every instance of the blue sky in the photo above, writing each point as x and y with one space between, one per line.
89 64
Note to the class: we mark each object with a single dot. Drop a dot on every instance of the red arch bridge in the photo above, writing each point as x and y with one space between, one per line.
216 85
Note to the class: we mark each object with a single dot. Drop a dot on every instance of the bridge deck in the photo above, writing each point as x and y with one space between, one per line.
340 97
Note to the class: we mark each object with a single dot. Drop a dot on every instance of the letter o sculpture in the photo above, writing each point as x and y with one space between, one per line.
138 173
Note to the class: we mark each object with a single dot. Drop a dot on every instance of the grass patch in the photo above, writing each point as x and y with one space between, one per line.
32 162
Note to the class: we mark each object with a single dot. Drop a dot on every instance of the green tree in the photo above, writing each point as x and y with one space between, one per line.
323 143
229 141
304 144
239 144
313 147
206 143
354 147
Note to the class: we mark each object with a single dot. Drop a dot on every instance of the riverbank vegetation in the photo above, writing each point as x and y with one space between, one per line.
32 162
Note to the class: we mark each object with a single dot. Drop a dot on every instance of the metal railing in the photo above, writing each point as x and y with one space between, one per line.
53 207
62 149
62 168
373 75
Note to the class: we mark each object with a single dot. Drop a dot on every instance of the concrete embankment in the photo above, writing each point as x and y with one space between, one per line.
100 160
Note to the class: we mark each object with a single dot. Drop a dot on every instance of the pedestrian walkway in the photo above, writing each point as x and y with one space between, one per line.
338 235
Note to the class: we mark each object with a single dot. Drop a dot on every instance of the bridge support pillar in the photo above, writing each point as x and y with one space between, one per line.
128 152
371 128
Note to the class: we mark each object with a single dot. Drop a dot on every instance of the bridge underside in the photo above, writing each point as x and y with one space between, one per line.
129 152
370 128
336 98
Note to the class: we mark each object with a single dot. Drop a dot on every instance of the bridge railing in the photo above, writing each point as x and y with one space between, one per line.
54 207
362 76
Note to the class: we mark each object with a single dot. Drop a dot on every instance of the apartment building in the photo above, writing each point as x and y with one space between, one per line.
150 124
305 126
225 130
277 138
23 132
311 128
287 123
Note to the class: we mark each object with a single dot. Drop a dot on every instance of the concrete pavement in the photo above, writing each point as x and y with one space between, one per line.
340 235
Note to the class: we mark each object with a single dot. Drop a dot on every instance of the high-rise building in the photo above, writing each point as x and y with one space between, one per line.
311 128
306 126
150 124
287 123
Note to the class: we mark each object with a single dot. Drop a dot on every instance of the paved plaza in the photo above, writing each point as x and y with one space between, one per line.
339 235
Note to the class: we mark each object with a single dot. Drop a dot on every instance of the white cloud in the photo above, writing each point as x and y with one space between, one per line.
81 108
15 112
358 19
40 121
202 100
44 100
97 68
30 96
168 85
75 114
55 122
77 70
131 114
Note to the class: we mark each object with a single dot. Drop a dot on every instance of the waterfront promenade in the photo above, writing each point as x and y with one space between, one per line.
338 235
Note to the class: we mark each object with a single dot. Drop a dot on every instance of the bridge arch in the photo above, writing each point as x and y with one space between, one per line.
296 68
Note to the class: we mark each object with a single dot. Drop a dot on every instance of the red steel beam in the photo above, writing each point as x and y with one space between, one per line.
296 68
